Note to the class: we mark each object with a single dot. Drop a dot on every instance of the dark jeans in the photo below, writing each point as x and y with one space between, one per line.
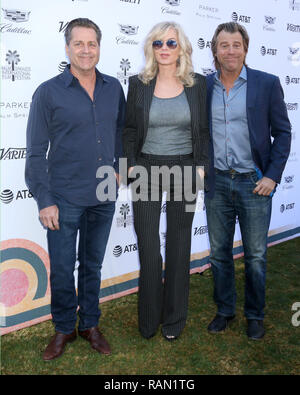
94 224
233 198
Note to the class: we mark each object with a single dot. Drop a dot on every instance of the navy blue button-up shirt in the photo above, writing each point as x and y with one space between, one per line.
83 135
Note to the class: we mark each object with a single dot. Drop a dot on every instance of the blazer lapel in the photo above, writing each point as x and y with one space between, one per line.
209 88
252 86
148 95
189 96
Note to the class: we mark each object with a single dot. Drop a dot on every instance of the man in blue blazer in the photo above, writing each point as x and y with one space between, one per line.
246 109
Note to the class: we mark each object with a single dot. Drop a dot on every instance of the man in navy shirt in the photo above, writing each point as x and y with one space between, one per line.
77 115
251 137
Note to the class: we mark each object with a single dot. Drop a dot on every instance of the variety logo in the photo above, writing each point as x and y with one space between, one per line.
62 26
15 16
201 230
293 28
12 153
268 51
240 18
13 71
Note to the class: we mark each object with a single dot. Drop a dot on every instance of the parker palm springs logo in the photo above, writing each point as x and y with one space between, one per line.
14 72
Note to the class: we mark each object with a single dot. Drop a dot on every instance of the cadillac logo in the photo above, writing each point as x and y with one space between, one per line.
128 29
16 15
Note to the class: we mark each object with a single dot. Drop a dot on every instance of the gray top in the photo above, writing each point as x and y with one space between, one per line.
169 131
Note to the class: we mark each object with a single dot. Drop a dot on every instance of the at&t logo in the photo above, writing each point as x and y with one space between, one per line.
240 18
118 250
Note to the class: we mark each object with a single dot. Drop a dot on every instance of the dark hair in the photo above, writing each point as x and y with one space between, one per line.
229 27
82 22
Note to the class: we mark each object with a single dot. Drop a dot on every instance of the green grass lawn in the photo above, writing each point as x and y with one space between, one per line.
196 351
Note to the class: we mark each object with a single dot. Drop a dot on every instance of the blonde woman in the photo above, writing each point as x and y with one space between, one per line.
166 126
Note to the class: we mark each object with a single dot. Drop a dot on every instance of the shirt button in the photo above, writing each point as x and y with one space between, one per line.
99 141
99 158
97 123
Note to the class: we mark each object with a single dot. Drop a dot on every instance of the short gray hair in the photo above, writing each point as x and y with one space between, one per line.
82 22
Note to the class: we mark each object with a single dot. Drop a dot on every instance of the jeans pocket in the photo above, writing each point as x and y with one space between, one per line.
254 178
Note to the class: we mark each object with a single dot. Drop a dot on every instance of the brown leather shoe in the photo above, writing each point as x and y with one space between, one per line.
96 339
57 345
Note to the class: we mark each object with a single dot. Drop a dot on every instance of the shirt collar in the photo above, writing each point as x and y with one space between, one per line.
68 77
243 74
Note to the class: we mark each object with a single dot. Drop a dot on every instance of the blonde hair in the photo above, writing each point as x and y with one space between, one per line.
185 72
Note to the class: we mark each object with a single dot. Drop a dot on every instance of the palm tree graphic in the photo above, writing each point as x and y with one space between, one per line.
125 66
12 58
124 210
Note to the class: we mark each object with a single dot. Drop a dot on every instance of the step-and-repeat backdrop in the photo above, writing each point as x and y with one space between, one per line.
32 51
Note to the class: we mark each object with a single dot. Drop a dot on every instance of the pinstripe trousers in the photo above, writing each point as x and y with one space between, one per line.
163 299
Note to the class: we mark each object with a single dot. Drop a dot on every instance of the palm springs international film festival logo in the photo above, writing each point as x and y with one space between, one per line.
124 75
125 219
14 72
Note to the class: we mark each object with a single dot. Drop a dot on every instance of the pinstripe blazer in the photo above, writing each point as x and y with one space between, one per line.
137 118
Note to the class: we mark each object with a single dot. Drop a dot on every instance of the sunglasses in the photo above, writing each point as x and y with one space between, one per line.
171 44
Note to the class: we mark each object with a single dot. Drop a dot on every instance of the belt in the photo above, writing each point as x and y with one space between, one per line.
233 172
165 157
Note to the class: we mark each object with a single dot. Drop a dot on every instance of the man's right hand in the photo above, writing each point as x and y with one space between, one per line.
49 217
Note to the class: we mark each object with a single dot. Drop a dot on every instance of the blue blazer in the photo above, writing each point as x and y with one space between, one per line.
267 117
